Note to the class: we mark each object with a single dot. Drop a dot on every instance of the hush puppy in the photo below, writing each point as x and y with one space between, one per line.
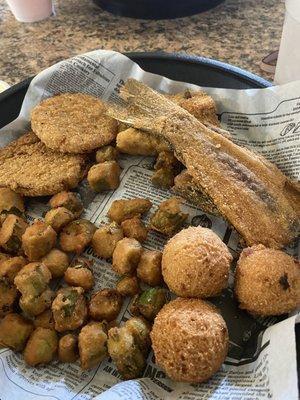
195 263
267 281
190 340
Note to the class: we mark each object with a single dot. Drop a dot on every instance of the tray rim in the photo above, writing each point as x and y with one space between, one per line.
251 78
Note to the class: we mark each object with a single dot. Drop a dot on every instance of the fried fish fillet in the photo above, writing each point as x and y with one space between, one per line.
249 191
185 187
28 167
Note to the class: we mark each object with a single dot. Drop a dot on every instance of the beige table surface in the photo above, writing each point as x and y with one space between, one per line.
240 32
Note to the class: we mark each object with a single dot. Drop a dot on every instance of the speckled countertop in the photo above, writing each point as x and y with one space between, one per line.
240 32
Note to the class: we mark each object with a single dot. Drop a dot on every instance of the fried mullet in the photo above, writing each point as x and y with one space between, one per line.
249 191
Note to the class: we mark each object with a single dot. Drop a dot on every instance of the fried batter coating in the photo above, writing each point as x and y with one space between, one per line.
33 306
68 348
135 142
128 347
267 281
15 331
197 347
92 343
128 286
125 209
38 240
69 309
80 274
58 217
135 228
106 238
44 320
106 153
104 176
69 200
76 236
41 347
33 279
73 123
28 167
105 305
196 263
11 233
10 203
168 218
149 267
126 256
57 262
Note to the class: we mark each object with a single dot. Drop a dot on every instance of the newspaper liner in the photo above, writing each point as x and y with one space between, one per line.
261 363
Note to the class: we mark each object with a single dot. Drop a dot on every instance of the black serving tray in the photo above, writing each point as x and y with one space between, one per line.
156 9
199 70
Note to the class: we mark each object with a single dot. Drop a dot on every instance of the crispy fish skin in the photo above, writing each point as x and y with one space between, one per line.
28 167
185 187
249 191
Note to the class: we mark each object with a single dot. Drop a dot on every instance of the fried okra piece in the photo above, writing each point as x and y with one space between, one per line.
69 200
168 218
4 256
57 262
106 238
126 256
15 331
92 343
33 279
140 329
33 306
10 267
11 233
8 297
69 309
135 228
149 303
163 178
128 347
135 142
41 347
128 286
105 305
104 176
44 320
106 153
10 203
58 218
76 236
68 348
149 267
38 240
80 274
166 168
125 209
8 292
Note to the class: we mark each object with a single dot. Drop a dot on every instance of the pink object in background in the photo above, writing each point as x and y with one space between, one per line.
31 10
